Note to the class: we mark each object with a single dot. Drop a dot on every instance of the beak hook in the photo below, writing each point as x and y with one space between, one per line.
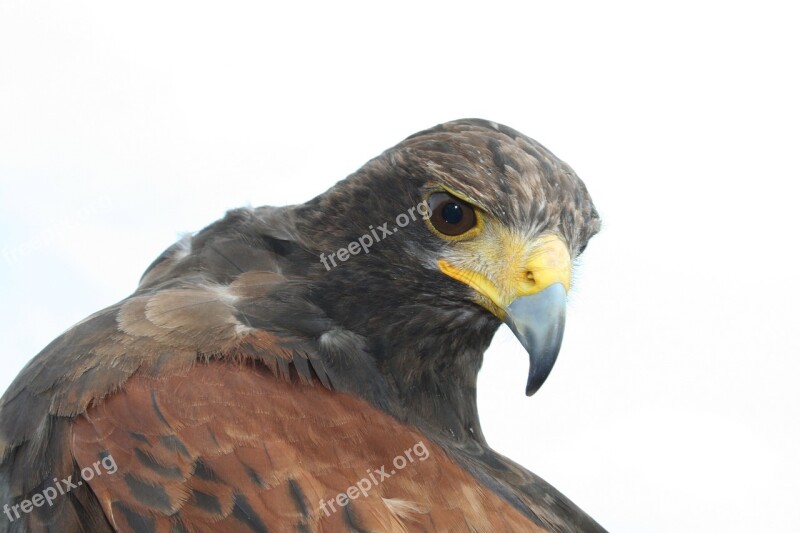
538 322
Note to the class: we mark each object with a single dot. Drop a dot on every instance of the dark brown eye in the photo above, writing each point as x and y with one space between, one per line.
450 215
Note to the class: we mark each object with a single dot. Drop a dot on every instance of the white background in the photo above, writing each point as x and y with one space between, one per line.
674 405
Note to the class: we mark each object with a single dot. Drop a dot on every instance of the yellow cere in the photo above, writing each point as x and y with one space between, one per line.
546 261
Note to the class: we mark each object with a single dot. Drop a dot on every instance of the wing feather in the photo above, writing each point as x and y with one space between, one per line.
224 447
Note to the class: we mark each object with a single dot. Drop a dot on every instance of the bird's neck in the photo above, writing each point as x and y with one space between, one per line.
440 398
430 366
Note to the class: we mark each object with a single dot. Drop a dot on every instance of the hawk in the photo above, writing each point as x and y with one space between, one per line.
313 367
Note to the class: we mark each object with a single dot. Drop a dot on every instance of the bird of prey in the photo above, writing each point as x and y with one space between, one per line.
313 367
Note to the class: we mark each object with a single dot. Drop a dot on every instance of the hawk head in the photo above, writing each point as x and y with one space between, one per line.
429 247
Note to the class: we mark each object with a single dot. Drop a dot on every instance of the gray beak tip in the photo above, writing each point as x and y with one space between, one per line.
538 322
532 387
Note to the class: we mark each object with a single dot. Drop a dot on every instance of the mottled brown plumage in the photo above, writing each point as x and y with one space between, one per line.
243 381
318 444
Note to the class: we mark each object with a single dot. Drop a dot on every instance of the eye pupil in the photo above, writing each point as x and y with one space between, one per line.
452 213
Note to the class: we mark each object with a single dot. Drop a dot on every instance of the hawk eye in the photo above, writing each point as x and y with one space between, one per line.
450 215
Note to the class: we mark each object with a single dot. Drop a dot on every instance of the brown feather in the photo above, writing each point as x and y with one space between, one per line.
258 437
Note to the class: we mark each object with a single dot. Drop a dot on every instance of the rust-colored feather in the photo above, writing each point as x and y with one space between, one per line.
221 432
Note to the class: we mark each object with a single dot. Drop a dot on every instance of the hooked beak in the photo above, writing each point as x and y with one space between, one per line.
531 300
538 322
